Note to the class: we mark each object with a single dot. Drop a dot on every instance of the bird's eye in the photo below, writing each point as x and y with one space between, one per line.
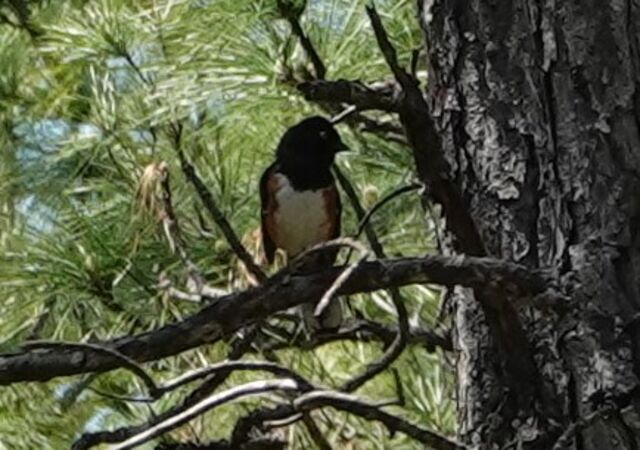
323 135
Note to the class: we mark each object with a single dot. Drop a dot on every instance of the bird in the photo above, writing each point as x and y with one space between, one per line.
300 203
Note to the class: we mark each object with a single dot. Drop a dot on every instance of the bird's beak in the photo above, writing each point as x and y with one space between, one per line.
341 147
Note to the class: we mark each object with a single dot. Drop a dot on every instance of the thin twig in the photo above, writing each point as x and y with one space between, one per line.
121 398
349 110
217 215
363 330
395 193
387 49
242 391
390 355
225 367
337 284
346 273
212 382
307 45
174 233
347 188
232 366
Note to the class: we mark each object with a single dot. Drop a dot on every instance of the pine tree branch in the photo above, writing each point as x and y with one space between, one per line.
421 133
234 311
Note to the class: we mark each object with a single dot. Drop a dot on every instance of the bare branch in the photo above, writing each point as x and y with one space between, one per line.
342 115
435 172
431 165
232 366
242 391
370 411
344 276
391 354
221 367
232 312
349 190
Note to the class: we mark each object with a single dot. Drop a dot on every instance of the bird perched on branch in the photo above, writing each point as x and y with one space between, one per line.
300 202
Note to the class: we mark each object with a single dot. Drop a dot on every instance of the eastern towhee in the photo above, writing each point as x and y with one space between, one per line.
300 202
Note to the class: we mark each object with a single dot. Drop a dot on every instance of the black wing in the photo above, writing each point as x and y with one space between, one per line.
267 206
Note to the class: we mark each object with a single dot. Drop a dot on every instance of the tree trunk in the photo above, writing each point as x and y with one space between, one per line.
538 107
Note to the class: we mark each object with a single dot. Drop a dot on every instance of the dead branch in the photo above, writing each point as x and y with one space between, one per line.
344 276
234 311
232 366
420 130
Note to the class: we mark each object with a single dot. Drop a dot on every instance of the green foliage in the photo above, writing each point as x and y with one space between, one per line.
85 106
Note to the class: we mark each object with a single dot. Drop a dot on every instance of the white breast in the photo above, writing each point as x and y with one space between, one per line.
301 219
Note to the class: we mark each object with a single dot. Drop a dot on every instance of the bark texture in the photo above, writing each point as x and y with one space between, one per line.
538 106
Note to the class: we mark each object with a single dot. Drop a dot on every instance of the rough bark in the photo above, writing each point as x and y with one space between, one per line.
538 107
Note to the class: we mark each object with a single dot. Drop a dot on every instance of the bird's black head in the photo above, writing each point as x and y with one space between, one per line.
314 140
307 151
